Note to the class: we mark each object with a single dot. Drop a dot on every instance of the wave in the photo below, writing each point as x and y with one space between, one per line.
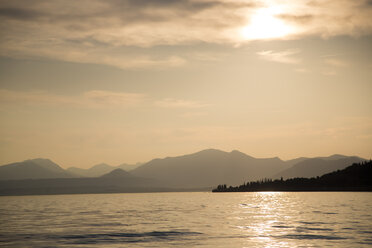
101 238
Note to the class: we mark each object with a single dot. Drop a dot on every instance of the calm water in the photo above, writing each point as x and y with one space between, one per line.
188 220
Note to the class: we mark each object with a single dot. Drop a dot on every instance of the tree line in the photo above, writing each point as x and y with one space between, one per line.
357 177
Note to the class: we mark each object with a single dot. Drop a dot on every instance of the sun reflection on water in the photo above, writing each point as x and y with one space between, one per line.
264 214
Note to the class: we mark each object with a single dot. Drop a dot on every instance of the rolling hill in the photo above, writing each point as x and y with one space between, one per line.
33 169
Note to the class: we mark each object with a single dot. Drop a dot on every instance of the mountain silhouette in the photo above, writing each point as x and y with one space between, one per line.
117 173
94 171
129 167
33 169
208 167
313 167
100 169
203 169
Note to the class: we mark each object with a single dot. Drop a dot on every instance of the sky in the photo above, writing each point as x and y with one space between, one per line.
126 81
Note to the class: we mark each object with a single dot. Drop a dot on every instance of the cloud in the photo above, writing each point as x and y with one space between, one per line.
298 19
69 31
140 62
302 70
207 56
126 22
94 31
333 64
101 97
329 73
19 13
33 97
90 54
281 57
328 18
336 62
97 99
178 103
191 115
123 11
88 99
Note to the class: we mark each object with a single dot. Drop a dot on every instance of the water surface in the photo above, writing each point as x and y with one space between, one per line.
293 219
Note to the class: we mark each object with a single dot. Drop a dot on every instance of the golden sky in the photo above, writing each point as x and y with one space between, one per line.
84 82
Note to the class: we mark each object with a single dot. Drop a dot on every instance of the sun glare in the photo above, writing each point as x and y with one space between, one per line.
265 25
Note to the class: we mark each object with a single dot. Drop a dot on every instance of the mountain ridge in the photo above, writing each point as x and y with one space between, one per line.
117 173
205 168
100 169
33 169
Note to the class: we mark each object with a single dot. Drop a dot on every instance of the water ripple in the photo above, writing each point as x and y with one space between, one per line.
162 220
309 236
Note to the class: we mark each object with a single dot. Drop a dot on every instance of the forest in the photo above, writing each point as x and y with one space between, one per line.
357 177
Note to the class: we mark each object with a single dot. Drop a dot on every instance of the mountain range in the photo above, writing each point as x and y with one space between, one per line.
100 169
203 169
208 167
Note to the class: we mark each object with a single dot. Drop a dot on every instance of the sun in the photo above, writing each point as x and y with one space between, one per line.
265 25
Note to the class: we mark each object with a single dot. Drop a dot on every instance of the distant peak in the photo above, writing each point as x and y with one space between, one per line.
116 173
239 153
337 156
236 151
42 162
210 151
101 165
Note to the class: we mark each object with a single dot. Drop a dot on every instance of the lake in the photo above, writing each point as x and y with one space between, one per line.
195 219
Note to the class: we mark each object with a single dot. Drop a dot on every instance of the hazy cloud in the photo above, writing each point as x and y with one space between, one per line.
336 62
329 73
178 103
281 57
114 98
93 31
302 70
297 19
20 13
93 99
141 62
31 97
89 99
368 2
191 115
